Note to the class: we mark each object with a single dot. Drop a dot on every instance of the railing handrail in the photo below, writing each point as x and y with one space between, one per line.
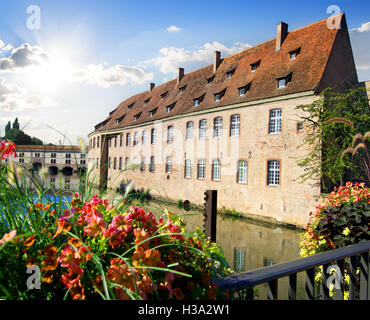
265 274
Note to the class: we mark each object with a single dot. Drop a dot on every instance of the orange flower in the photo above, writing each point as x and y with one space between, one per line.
39 206
150 258
48 277
50 262
29 241
30 261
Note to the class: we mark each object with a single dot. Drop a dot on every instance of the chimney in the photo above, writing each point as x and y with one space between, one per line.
282 32
180 75
216 60
152 85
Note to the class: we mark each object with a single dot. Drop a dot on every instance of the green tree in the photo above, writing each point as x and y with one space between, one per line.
332 121
7 128
16 124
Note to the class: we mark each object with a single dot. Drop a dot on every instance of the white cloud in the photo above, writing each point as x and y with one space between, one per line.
14 98
116 75
22 57
171 58
364 27
173 29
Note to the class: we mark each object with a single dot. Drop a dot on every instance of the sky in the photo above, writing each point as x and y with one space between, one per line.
64 65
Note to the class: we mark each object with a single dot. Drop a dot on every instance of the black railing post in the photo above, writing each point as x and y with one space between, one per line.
210 214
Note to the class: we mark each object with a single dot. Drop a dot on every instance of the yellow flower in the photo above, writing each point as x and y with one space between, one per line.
346 231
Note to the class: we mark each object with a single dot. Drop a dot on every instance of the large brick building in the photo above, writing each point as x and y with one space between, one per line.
230 126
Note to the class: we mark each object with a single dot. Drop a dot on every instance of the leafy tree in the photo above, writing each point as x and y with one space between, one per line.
16 124
7 128
332 121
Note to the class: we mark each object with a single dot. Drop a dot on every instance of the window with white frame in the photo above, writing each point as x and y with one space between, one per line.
202 129
152 164
201 169
187 168
217 127
142 164
168 164
216 170
273 174
143 137
136 139
189 130
169 133
242 171
153 136
128 138
275 121
235 125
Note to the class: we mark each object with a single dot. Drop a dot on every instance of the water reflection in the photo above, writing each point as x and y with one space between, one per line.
250 245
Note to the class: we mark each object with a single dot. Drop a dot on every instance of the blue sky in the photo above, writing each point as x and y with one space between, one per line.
80 59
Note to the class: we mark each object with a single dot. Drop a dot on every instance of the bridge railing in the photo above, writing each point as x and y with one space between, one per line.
354 259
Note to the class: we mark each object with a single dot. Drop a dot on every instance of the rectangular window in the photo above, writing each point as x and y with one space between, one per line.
273 175
136 140
82 161
128 138
216 170
187 168
168 164
189 130
67 184
143 137
97 163
217 127
98 142
114 163
169 133
51 161
299 126
242 91
152 136
282 83
68 155
68 161
196 102
152 112
142 164
235 125
126 162
275 121
202 129
115 141
94 143
242 171
152 164
120 163
109 162
201 172
120 140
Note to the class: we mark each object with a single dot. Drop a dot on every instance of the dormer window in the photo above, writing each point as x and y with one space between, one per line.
110 113
218 96
118 120
147 101
137 116
197 101
293 54
283 82
230 73
209 80
130 106
181 90
152 112
243 90
255 65
163 95
170 107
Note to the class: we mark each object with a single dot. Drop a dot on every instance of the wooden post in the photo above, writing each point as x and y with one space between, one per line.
210 214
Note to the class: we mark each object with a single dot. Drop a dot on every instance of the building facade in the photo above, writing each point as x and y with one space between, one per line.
60 164
231 126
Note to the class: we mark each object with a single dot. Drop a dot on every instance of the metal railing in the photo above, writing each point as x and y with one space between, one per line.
354 258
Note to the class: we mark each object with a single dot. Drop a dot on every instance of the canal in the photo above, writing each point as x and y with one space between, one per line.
247 244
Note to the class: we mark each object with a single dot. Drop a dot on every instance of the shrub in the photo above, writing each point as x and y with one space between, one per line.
343 220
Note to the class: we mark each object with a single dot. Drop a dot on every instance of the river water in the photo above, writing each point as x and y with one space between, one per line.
248 244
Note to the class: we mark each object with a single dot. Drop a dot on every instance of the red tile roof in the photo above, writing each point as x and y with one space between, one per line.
315 42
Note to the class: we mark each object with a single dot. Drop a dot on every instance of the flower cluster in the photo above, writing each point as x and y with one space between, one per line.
94 249
7 149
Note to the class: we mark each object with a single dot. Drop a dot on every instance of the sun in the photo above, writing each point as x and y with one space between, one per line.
51 75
